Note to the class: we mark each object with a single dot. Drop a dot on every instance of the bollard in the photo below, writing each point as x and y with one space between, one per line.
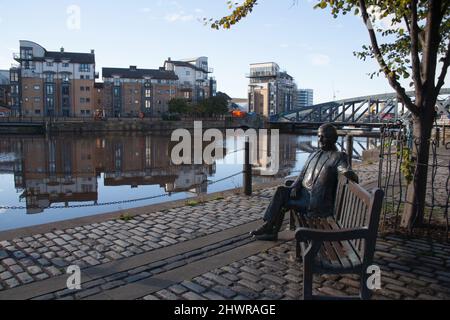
349 149
438 136
443 134
247 170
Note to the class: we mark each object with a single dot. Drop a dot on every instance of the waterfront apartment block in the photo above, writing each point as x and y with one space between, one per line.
271 91
129 92
52 83
304 98
4 93
194 81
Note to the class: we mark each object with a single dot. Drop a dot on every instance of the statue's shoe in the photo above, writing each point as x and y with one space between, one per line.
267 237
264 229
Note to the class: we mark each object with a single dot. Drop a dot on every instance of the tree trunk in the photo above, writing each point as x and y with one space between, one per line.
415 202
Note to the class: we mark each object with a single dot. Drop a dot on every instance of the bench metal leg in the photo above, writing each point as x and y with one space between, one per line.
308 277
366 293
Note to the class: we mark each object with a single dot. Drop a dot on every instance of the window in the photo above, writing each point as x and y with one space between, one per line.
136 101
26 54
14 76
49 89
82 100
148 93
81 88
37 99
116 92
49 64
81 77
88 112
148 104
88 77
85 67
117 82
37 111
26 99
88 100
65 90
37 87
88 88
65 78
49 77
65 65
188 73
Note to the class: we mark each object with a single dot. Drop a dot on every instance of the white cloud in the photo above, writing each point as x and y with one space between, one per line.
320 59
174 17
146 10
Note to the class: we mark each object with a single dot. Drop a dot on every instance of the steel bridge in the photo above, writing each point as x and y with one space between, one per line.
371 111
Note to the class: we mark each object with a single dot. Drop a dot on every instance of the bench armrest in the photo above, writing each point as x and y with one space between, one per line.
306 234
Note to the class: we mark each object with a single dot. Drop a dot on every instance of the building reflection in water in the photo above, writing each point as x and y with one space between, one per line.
62 170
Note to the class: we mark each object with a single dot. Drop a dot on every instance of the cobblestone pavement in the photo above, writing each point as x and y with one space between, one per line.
411 269
41 256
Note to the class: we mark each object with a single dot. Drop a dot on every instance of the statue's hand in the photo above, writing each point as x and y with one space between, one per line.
351 175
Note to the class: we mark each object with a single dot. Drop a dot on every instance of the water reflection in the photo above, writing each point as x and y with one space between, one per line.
53 176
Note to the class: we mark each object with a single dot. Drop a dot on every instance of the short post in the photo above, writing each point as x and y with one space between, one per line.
438 136
247 170
443 134
349 149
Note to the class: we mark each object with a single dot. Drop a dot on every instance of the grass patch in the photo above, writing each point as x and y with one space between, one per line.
125 217
193 203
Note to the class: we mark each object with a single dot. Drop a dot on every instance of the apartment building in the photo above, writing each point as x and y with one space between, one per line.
304 98
128 92
271 91
195 84
52 83
4 92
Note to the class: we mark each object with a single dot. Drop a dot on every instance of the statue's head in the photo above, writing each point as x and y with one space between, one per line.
328 137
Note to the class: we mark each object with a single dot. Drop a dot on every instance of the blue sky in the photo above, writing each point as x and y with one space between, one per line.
309 44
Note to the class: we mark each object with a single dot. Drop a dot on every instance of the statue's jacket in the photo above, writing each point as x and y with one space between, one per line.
319 179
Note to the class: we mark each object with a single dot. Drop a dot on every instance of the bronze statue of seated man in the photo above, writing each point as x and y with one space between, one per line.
313 192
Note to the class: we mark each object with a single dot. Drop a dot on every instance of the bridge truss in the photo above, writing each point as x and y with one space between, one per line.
367 109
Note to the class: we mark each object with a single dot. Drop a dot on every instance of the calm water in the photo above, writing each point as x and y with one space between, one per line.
50 179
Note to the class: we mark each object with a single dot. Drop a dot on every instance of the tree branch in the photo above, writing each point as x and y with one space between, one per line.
389 74
441 80
414 34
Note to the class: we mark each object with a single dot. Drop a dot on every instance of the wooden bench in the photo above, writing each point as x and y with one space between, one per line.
342 244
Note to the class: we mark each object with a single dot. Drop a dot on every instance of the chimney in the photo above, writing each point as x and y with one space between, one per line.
169 59
92 51
133 68
62 49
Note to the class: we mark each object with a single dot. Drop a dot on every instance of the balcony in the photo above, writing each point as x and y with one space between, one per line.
19 57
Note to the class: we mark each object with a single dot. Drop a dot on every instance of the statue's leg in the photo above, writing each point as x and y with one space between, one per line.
275 210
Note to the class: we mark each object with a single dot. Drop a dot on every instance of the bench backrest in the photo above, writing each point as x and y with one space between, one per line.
357 208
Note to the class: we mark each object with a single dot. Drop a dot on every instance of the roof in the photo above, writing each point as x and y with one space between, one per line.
138 73
74 57
186 65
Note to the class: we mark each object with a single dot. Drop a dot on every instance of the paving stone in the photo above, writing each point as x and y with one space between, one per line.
6 275
167 295
12 283
224 291
53 271
16 269
3 254
113 284
178 289
86 293
137 277
193 287
192 296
